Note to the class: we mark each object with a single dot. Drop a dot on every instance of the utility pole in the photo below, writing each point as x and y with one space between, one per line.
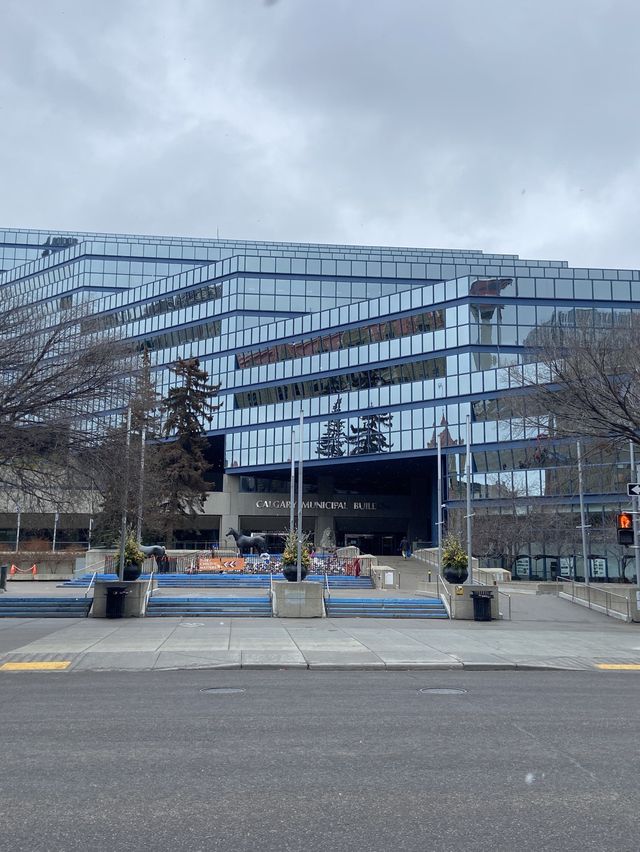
56 518
635 505
18 521
439 524
292 490
143 439
469 515
125 496
583 525
299 559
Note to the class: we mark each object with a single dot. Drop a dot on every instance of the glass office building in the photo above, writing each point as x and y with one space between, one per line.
385 350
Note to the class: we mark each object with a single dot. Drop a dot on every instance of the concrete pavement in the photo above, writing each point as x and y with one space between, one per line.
545 633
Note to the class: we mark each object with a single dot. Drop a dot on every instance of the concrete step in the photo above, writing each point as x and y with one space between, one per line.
385 608
258 607
44 607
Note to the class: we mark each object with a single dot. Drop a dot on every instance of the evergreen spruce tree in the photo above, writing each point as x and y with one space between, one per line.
332 443
368 436
182 457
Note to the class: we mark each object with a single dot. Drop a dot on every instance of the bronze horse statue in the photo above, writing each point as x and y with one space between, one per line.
159 552
248 541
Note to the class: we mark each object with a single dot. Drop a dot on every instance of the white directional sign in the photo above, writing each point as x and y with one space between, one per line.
633 489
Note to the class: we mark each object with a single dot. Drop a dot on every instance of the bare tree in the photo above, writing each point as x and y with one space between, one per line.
584 378
58 376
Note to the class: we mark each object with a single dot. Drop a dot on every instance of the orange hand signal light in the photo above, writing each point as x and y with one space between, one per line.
625 528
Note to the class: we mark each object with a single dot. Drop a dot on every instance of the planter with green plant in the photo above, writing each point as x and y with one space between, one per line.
454 560
290 557
133 558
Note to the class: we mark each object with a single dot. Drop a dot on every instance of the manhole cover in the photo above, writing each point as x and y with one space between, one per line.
442 690
223 690
191 624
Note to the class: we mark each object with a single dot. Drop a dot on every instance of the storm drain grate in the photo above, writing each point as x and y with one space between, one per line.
442 690
223 690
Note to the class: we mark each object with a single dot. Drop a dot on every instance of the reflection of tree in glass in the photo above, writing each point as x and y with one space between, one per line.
368 436
331 444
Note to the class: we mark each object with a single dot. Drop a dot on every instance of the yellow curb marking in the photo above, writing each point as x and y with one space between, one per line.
55 666
624 667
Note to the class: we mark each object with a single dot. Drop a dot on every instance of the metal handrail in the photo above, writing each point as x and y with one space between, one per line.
91 582
148 592
508 598
444 595
608 598
99 566
271 586
326 585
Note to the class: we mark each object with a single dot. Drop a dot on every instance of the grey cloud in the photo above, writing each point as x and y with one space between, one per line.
498 125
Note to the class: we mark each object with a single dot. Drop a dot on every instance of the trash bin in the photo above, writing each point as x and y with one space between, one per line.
482 605
115 601
3 578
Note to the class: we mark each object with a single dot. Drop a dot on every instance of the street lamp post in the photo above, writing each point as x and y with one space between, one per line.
292 490
469 515
439 504
299 554
18 521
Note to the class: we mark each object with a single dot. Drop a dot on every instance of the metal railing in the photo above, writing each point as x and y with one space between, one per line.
327 590
91 582
600 599
444 595
98 567
148 591
508 597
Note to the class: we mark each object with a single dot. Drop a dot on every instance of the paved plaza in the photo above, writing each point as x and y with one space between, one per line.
544 633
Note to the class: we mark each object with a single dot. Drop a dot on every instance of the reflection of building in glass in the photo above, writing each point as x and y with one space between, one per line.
385 349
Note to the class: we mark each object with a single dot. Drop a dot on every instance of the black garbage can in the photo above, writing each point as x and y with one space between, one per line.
482 605
115 601
3 578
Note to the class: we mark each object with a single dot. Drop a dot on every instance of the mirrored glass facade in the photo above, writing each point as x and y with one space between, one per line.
383 348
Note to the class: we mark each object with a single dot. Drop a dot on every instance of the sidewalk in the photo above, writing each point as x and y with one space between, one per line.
545 633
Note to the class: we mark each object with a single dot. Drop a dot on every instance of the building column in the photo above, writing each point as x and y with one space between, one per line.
229 517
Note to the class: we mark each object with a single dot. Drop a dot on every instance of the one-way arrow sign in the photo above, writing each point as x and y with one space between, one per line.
633 489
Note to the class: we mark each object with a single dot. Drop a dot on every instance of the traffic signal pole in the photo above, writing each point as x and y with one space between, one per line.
635 502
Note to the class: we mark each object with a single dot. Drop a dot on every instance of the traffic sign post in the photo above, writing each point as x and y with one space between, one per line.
635 495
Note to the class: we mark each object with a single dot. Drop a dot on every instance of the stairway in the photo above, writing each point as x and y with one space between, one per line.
43 607
385 608
188 607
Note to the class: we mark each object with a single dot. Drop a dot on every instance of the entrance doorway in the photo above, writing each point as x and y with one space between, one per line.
380 544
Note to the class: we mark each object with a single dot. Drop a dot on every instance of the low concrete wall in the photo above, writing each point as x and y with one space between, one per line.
298 600
384 577
134 601
462 602
49 565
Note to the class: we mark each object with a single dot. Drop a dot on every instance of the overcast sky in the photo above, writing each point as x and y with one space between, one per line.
505 125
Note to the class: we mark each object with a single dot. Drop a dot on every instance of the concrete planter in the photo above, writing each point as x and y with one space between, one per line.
298 600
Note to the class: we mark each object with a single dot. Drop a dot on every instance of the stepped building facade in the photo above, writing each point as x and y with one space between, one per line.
385 350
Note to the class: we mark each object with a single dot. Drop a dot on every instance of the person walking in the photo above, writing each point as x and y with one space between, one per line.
404 548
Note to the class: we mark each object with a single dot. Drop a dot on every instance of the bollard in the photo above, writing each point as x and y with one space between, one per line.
429 576
3 578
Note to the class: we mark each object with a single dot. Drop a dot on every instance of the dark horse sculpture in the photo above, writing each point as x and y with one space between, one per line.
249 542
159 552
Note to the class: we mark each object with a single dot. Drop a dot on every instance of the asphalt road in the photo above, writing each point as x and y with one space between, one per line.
319 761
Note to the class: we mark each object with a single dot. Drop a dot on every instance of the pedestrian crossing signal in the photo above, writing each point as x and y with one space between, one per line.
625 528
